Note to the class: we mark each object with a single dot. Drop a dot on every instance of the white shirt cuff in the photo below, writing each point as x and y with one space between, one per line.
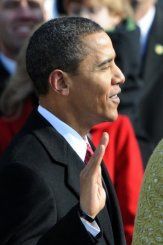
92 228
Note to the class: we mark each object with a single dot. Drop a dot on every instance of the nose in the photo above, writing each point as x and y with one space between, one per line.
118 77
24 10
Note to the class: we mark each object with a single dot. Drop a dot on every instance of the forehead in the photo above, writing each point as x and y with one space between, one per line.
3 2
142 1
99 45
86 3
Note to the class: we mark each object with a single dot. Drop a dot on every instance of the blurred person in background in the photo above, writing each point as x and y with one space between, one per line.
17 19
17 101
160 2
149 17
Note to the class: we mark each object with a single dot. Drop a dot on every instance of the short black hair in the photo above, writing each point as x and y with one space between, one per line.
57 44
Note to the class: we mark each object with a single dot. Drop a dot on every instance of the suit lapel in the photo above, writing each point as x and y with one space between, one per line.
75 165
59 150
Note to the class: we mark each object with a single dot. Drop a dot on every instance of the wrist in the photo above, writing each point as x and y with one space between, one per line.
85 216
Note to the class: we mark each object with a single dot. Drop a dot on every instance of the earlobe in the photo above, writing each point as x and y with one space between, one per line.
58 82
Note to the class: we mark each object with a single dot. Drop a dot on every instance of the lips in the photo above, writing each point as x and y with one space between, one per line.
114 97
23 29
115 93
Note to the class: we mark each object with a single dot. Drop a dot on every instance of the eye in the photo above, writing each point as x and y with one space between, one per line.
105 67
33 4
93 10
76 11
11 4
16 4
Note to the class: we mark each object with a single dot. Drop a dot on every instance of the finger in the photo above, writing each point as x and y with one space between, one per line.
96 159
99 179
104 139
100 151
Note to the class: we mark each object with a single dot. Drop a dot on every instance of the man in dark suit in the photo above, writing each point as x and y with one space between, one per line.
50 192
17 19
149 17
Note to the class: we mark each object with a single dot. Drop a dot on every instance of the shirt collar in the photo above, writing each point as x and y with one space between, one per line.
146 21
9 64
71 136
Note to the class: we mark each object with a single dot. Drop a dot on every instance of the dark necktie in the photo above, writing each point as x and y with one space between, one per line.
89 153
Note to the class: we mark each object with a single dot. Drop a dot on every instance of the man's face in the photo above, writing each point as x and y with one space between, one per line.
82 7
93 94
94 10
17 19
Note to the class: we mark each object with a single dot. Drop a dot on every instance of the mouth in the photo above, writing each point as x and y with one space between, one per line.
115 98
23 30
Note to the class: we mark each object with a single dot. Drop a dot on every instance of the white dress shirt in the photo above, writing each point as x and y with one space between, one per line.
9 64
79 145
50 8
145 24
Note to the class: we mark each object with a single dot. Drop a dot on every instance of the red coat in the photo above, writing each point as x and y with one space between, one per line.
10 126
123 161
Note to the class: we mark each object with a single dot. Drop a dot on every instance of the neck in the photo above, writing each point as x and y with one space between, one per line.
142 9
67 116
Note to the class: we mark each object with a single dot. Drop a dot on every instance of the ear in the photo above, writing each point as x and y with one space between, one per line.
58 82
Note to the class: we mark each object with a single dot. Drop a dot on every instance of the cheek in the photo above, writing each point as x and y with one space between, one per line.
99 98
38 15
4 18
103 90
8 19
6 25
10 14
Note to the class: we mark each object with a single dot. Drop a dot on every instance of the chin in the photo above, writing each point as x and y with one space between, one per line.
112 117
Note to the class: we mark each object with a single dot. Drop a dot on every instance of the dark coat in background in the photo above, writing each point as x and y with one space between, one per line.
39 192
151 106
125 38
126 42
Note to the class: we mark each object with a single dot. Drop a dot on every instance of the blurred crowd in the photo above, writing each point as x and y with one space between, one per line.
135 27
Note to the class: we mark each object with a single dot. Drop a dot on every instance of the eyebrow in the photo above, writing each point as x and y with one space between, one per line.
105 62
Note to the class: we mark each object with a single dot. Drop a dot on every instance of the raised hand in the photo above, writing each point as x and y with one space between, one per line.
92 193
